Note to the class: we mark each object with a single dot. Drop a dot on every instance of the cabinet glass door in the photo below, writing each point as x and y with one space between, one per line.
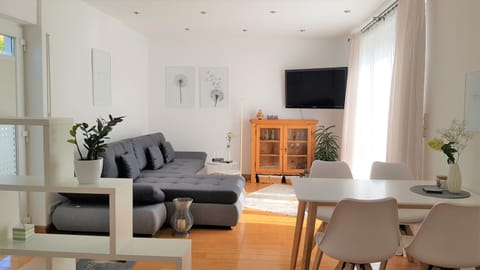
297 149
269 149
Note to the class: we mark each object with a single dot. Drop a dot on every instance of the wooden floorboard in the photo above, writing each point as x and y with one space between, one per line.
261 241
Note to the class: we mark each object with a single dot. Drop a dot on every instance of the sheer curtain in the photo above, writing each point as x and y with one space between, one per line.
405 133
369 117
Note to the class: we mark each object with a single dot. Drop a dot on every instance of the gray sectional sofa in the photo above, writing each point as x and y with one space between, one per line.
217 200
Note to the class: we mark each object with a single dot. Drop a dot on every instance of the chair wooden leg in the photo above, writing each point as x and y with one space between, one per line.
318 259
477 268
368 266
383 265
408 231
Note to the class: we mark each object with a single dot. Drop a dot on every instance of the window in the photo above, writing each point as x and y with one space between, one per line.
8 153
377 50
6 45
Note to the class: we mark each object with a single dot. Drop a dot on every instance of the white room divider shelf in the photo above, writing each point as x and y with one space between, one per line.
120 245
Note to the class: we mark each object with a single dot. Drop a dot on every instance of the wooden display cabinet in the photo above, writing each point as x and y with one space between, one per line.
281 147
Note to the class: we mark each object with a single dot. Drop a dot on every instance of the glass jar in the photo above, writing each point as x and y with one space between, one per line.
182 219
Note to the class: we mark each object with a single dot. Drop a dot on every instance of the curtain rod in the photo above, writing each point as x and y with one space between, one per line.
380 17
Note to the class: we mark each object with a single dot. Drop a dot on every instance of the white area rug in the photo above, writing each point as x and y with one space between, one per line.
277 198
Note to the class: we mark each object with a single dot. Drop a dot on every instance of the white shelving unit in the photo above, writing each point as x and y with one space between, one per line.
120 245
61 250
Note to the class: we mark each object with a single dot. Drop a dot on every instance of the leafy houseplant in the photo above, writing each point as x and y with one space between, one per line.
89 167
326 143
94 136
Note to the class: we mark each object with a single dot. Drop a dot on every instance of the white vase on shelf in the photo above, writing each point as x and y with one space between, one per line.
454 180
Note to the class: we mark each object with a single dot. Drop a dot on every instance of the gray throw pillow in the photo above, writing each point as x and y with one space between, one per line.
154 157
129 166
147 193
168 152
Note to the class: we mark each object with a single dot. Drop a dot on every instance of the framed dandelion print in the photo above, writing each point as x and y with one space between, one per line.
214 87
180 86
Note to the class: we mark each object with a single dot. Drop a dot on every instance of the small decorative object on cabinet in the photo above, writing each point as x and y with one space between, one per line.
89 167
259 114
182 219
281 147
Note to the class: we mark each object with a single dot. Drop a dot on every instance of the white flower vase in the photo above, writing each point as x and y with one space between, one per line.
228 154
88 171
454 180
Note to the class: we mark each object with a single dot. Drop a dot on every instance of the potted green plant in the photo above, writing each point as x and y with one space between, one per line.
88 167
326 143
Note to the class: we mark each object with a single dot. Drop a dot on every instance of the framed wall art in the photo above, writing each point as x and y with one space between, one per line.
180 86
214 87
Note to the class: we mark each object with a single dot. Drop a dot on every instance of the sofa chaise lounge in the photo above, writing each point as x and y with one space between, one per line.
217 199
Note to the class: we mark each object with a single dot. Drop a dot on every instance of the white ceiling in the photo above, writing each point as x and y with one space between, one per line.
319 18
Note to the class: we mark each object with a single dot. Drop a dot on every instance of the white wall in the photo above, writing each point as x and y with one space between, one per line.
75 28
453 49
256 69
22 11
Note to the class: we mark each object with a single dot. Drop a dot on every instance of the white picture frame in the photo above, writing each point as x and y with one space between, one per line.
101 78
180 86
214 87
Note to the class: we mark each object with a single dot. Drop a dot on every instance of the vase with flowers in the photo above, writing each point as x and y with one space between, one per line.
229 137
452 141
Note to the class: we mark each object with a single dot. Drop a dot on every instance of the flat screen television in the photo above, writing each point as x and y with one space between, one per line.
316 88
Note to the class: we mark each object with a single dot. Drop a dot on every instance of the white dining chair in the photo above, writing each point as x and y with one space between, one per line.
399 171
448 238
328 169
360 232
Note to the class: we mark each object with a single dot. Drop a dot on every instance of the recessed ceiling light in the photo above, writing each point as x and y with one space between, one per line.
273 11
187 29
136 12
244 30
203 12
347 11
303 30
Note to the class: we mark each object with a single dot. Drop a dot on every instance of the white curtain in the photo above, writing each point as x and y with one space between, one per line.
348 133
405 129
369 116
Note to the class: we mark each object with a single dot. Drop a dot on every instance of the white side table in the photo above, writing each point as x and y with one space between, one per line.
222 168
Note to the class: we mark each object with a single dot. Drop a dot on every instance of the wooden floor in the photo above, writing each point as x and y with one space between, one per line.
260 241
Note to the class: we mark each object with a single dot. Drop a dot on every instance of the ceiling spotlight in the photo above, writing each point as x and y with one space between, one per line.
273 11
187 29
347 11
203 12
244 30
303 30
136 12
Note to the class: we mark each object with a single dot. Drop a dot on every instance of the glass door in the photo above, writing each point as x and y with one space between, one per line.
269 153
296 160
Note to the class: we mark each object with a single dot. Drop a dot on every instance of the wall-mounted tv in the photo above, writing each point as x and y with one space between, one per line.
316 88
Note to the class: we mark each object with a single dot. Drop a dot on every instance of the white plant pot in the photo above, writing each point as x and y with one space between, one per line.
454 180
88 171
